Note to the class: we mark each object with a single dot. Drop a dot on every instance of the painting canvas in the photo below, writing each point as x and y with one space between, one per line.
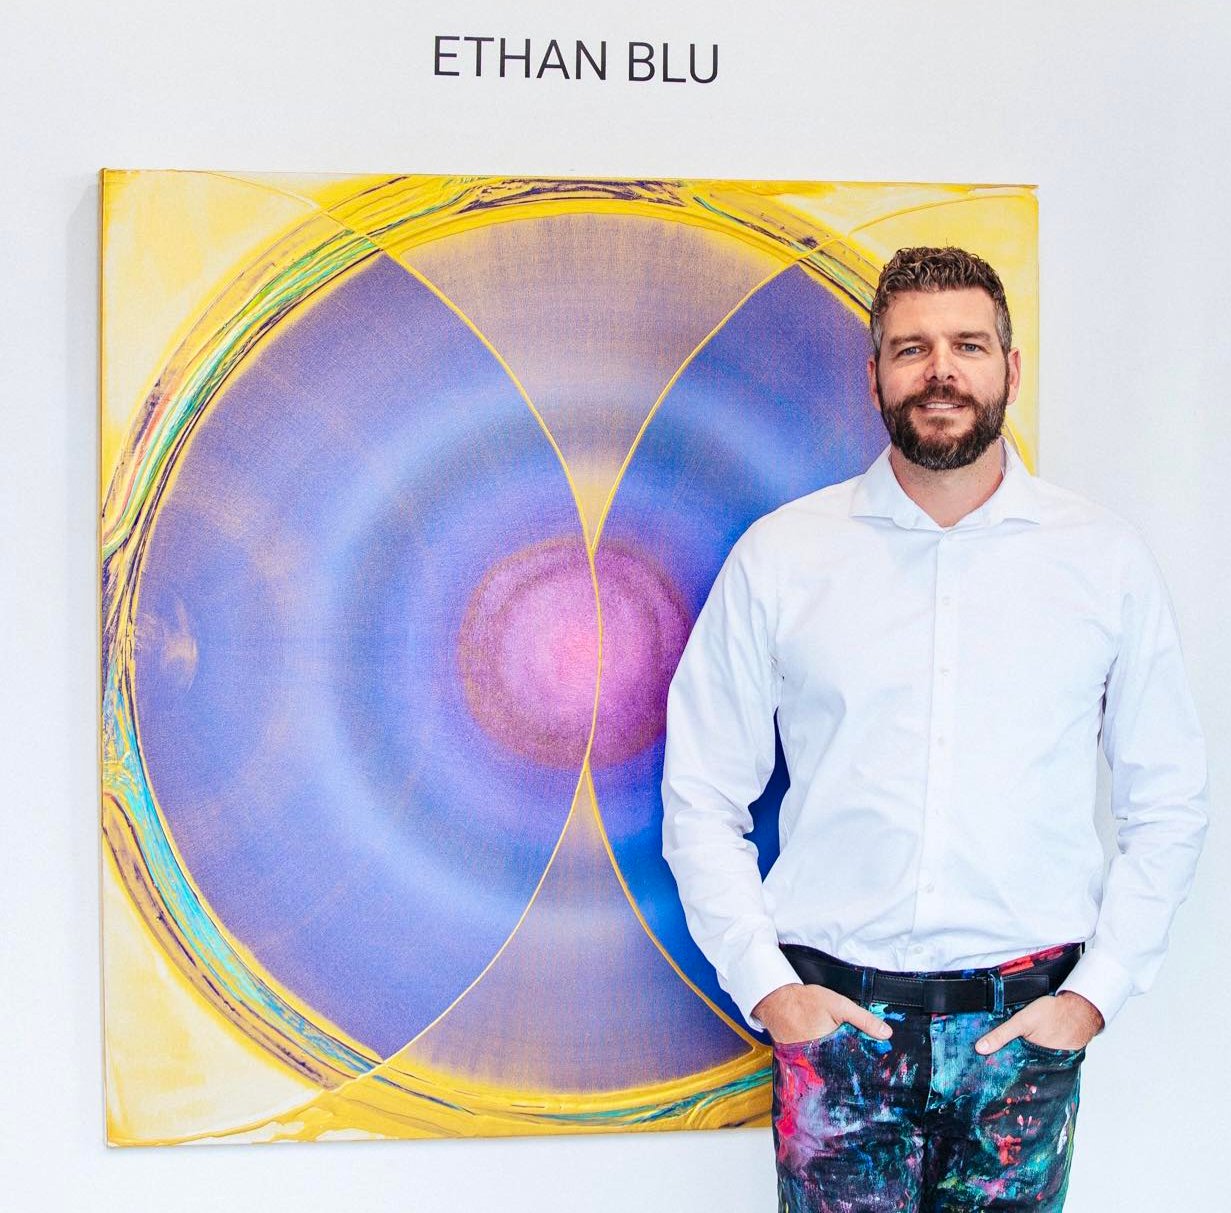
411 488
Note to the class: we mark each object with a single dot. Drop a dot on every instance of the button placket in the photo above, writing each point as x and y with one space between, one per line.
928 898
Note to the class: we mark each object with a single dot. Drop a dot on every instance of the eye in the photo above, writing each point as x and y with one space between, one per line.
970 347
908 351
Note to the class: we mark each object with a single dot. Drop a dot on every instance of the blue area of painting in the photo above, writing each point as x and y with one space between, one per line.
297 695
774 407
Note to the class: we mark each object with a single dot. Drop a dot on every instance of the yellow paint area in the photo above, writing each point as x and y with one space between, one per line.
175 1068
443 1106
171 242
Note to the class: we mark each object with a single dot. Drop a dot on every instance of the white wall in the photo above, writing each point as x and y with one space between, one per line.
1118 111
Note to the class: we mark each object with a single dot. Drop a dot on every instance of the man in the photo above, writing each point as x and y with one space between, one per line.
943 641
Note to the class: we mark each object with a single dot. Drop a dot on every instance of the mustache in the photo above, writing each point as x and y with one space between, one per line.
941 393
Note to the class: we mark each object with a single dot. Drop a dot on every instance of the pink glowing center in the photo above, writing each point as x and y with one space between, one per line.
528 652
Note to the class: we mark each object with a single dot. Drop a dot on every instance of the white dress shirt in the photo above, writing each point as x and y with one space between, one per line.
941 694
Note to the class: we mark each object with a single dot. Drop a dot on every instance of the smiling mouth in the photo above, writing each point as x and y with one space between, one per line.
940 405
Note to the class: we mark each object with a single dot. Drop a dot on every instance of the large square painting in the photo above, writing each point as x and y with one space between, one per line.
411 490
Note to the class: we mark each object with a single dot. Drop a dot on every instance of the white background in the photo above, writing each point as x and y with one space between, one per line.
1118 111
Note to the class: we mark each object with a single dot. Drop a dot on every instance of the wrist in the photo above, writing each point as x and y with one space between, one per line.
1089 1010
775 998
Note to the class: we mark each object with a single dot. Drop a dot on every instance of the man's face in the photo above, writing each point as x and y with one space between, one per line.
942 382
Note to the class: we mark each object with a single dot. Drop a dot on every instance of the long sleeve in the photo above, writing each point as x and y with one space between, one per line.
1154 747
719 756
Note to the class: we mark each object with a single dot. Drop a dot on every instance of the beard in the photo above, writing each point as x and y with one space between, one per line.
944 449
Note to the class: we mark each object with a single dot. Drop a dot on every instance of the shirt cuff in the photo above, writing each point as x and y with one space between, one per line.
761 973
1100 979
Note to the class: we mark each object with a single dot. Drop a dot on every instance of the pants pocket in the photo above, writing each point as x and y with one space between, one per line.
790 1048
1046 1053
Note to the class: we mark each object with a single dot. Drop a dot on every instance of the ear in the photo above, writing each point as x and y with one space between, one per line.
873 394
1015 373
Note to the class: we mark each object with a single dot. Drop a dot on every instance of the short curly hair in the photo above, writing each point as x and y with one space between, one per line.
938 269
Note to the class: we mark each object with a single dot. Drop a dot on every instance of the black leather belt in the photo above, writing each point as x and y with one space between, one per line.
934 994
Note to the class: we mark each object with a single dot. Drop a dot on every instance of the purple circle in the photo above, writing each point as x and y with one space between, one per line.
529 648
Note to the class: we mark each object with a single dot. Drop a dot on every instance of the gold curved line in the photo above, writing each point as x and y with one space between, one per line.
742 1032
376 1070
508 370
754 290
426 282
1008 191
538 888
386 1063
598 605
431 286
422 278
240 179
645 425
378 180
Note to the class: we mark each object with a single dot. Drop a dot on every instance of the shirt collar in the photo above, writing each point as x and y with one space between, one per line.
879 495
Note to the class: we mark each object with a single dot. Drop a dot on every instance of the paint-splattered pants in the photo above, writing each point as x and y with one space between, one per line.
921 1122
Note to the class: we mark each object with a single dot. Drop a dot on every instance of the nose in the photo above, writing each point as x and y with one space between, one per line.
940 365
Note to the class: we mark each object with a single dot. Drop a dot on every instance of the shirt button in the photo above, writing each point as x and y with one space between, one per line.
946 601
944 671
940 742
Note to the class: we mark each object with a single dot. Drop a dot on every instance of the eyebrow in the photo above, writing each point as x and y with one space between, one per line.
919 338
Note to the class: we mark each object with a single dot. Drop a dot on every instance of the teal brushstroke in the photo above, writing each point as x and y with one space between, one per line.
648 1114
210 951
